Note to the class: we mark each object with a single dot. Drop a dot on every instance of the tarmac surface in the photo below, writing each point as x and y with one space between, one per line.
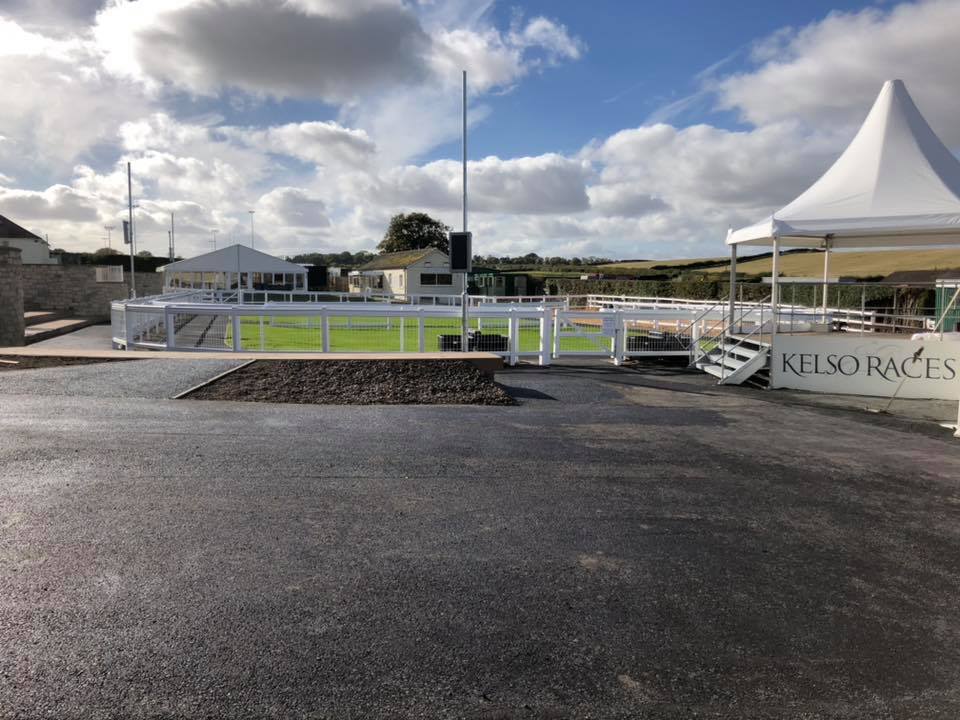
626 543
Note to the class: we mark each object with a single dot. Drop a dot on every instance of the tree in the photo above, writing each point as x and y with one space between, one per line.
144 253
414 231
102 252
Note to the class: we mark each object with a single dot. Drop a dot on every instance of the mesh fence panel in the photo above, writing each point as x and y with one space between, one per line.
117 322
281 333
655 336
366 333
201 331
581 333
145 327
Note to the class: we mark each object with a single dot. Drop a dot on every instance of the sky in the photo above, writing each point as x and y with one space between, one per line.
616 129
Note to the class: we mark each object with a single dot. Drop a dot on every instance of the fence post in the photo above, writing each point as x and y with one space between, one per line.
403 334
863 308
262 344
420 340
127 326
619 339
325 332
168 323
237 343
695 342
546 331
556 333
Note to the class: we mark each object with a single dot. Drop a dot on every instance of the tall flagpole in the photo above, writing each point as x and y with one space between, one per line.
133 274
464 319
173 238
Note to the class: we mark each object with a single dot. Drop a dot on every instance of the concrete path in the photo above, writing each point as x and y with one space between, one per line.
625 544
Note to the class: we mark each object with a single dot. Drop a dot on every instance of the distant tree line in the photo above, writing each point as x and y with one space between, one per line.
533 259
338 259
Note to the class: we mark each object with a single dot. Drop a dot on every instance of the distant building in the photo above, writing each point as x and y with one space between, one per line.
497 284
236 266
411 272
33 248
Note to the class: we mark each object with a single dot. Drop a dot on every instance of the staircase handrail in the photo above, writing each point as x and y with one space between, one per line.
735 322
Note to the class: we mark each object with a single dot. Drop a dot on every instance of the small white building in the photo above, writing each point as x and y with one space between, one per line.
33 248
410 272
236 266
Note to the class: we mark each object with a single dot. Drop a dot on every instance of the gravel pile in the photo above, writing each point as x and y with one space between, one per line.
32 362
358 382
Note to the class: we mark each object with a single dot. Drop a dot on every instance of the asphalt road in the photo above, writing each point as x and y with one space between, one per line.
621 545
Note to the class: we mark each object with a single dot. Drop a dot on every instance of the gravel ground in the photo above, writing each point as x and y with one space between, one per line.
359 382
152 379
29 362
627 544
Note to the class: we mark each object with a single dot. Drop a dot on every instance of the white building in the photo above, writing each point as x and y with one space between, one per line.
236 266
33 248
411 272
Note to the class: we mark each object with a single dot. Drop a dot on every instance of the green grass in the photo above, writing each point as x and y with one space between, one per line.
853 263
372 334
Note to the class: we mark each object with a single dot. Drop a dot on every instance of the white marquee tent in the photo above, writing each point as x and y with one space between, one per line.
896 185
236 266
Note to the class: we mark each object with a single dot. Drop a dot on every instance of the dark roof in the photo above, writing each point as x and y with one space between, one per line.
393 261
9 229
922 276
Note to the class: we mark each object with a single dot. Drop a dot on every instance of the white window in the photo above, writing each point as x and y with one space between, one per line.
110 274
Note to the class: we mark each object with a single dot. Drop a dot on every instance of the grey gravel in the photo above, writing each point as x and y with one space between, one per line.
151 379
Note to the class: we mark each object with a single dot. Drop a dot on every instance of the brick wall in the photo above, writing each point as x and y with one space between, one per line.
11 297
74 289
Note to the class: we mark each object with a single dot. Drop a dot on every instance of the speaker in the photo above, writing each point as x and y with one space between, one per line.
461 252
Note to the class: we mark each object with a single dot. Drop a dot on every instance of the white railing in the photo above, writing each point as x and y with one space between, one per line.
513 331
543 326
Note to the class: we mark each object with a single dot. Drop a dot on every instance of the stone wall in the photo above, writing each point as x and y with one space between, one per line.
74 289
11 297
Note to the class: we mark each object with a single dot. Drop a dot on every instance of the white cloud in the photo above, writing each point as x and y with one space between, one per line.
324 50
58 202
533 185
58 102
322 143
294 208
829 72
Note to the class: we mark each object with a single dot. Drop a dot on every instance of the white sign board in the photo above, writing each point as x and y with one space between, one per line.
849 364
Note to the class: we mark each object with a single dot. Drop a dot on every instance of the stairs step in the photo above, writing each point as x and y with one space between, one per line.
737 350
35 317
53 328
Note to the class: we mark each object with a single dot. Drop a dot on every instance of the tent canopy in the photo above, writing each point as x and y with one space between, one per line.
895 185
234 259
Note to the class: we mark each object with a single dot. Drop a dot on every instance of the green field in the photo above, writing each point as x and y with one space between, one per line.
852 263
627 266
365 333
381 334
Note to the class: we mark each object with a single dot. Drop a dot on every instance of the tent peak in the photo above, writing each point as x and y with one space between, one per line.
895 182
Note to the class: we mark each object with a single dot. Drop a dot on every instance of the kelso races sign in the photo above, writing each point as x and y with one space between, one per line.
865 365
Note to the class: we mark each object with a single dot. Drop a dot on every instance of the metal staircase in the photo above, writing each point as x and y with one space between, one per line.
735 358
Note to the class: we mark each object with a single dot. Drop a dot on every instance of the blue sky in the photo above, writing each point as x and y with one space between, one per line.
621 129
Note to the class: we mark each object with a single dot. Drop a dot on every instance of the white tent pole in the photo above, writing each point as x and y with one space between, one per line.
774 283
733 281
826 274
